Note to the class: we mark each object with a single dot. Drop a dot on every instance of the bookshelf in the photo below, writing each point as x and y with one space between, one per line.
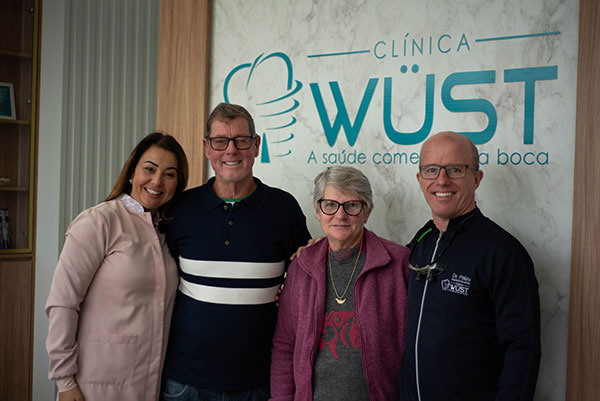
18 93
19 72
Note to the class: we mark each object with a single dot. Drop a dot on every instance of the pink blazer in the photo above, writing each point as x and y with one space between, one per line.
110 304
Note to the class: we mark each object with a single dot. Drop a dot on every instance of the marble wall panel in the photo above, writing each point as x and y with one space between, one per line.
309 71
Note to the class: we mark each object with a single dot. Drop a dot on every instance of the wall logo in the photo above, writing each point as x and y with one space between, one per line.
276 108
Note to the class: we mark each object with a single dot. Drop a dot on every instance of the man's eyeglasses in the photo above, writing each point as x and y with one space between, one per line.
330 207
432 171
222 142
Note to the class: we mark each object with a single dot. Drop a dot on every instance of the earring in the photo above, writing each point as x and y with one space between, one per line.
131 181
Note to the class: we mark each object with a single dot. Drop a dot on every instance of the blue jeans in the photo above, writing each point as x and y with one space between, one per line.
174 391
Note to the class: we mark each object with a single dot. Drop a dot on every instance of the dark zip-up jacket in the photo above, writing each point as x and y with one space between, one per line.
479 334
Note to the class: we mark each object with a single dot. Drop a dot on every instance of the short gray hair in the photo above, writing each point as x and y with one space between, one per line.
226 112
345 179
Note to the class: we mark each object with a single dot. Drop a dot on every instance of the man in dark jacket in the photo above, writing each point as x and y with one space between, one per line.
473 325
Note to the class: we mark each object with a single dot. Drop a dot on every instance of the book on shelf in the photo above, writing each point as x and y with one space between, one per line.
4 229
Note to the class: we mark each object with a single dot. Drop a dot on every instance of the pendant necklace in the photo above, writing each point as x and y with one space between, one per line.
342 298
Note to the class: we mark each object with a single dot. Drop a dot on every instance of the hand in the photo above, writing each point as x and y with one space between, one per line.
73 394
277 296
299 250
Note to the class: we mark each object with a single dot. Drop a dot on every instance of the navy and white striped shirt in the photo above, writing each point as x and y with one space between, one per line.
232 258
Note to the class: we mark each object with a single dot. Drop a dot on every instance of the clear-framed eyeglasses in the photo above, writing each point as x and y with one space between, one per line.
432 171
222 142
351 207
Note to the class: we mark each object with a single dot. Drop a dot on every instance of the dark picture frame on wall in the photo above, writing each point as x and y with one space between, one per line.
7 101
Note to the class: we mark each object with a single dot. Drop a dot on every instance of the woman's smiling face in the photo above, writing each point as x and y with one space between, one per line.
342 230
154 179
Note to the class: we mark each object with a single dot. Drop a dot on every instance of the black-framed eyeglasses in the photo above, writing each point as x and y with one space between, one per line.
351 207
222 142
432 171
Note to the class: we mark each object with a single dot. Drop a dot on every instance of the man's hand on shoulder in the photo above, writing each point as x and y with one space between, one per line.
311 241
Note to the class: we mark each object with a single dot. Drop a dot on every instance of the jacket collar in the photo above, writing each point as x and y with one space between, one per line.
130 204
454 223
463 220
313 259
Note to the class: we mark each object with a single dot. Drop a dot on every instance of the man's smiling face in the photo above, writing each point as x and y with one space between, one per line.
232 165
449 198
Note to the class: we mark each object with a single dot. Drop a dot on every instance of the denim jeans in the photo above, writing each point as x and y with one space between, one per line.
174 391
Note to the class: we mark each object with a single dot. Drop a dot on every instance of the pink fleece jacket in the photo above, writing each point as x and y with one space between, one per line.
380 297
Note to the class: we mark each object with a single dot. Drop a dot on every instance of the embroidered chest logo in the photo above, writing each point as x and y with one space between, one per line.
339 328
458 284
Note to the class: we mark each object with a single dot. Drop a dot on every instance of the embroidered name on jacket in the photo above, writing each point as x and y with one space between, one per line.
458 284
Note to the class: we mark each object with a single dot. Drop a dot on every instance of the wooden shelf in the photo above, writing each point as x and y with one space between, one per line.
15 54
16 122
14 189
24 254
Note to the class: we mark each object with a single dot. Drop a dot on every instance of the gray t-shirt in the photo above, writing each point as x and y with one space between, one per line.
338 371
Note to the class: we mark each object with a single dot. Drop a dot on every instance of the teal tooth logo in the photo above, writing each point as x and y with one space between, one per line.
274 106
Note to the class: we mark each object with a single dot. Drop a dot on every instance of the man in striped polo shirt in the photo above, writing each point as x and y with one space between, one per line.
232 238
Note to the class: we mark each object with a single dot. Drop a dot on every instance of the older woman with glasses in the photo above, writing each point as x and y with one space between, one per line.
340 331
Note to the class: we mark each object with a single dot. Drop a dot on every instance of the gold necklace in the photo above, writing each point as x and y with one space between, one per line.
342 298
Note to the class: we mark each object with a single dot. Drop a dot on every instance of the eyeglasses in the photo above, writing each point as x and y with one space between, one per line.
432 171
351 207
429 272
222 142
434 268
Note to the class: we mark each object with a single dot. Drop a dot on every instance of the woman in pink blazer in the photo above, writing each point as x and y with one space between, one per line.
114 286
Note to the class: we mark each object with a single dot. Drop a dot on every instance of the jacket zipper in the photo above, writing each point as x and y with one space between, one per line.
319 329
437 242
363 343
